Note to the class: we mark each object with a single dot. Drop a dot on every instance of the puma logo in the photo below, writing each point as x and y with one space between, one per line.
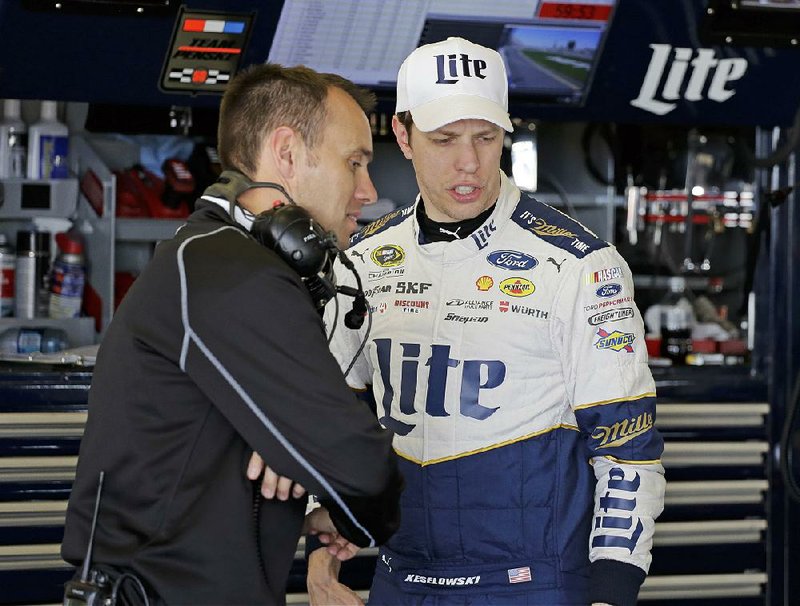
353 253
450 233
386 561
558 265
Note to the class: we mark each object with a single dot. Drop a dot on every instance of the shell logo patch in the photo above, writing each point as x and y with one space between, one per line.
388 255
517 287
484 283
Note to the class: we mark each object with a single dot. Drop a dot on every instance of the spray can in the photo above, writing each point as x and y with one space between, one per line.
7 270
31 266
67 277
13 141
48 145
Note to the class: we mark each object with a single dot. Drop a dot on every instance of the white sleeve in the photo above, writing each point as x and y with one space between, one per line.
345 342
601 334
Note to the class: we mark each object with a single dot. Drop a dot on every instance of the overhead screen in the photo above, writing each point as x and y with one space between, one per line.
550 48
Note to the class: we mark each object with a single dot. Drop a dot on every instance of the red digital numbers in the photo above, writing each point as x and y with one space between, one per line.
582 12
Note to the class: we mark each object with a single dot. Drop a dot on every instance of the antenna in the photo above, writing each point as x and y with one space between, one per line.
87 561
93 588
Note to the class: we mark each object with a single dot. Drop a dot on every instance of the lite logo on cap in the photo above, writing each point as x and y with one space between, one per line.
453 80
478 65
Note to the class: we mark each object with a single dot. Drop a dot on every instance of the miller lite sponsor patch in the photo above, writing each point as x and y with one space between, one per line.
621 432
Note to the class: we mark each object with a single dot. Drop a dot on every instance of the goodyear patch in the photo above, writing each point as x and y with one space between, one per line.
517 287
615 341
388 255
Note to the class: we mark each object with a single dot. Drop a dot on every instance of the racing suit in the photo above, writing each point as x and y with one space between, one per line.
217 351
511 366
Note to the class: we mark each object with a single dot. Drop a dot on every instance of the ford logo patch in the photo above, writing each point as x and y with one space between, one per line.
512 260
609 290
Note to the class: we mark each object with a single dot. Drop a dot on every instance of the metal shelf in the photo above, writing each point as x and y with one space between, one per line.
146 230
688 454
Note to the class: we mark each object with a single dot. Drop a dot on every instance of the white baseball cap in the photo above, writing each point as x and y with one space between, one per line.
453 80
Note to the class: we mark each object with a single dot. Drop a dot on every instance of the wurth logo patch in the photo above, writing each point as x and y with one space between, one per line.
451 67
683 66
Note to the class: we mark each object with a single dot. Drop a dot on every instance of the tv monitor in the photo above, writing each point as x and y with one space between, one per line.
550 48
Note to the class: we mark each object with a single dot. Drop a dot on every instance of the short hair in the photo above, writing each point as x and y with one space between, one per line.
365 98
406 120
264 97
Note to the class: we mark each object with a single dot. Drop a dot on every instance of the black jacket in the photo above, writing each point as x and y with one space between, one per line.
217 351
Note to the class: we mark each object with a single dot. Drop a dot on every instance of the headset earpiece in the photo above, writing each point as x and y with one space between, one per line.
299 240
290 231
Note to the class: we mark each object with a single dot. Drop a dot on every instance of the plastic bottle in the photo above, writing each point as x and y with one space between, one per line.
677 319
48 145
67 277
8 268
32 340
13 141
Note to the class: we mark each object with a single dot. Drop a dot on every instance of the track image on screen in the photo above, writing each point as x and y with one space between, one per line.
552 62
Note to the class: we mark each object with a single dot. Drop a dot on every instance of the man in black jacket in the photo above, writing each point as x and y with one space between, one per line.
218 351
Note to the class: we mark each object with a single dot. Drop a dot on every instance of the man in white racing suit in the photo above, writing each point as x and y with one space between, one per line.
508 357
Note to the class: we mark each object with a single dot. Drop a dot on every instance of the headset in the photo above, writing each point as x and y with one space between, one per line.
300 241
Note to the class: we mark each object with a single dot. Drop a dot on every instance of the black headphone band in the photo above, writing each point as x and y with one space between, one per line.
302 243
231 184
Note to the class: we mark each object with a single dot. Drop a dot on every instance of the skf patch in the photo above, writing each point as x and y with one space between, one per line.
517 287
603 275
616 341
388 255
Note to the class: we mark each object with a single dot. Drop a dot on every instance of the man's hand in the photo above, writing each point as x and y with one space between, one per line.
273 485
322 581
319 523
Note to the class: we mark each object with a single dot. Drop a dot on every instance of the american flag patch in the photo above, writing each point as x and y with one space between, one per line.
519 575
